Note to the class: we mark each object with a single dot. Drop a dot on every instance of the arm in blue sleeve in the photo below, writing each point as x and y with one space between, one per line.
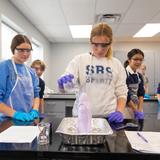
141 91
4 74
35 81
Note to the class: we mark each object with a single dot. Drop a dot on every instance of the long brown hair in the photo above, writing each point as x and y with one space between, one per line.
18 40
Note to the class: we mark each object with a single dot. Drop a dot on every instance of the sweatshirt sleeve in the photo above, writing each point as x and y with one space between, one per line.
120 86
158 88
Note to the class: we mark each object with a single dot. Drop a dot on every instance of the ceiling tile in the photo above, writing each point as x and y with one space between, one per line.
78 12
52 17
128 30
112 6
57 31
142 11
41 11
156 18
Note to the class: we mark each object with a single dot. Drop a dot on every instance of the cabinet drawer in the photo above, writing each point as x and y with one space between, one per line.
69 103
54 107
58 115
150 107
150 116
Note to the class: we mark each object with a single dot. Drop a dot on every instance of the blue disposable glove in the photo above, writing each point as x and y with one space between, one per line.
22 116
21 123
115 117
64 80
138 115
34 114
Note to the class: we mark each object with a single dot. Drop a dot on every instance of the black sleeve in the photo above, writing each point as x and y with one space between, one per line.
42 87
141 91
158 89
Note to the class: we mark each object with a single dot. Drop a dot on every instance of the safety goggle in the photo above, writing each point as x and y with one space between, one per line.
137 59
102 45
22 50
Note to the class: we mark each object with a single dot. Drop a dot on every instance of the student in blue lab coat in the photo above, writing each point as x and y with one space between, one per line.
19 91
135 84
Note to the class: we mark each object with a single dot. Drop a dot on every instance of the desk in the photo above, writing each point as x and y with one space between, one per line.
60 105
117 146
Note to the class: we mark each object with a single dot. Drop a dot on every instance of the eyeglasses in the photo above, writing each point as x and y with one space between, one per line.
137 59
102 45
22 50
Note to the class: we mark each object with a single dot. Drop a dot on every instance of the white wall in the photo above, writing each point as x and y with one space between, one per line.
7 9
144 46
0 36
63 53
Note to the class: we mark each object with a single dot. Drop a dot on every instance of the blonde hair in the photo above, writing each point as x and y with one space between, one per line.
102 29
39 62
143 66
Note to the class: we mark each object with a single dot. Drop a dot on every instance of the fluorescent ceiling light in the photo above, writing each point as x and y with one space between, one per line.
148 30
80 31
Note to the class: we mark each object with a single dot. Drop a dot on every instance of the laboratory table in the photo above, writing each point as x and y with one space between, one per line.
116 146
60 105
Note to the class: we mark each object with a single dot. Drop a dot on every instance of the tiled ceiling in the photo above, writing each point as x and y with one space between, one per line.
52 17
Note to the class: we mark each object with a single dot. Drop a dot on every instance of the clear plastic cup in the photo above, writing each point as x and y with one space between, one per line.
43 137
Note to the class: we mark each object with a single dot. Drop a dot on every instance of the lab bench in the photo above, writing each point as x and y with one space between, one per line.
61 105
116 146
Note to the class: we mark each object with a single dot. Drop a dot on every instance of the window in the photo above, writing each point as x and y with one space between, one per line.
7 35
37 52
